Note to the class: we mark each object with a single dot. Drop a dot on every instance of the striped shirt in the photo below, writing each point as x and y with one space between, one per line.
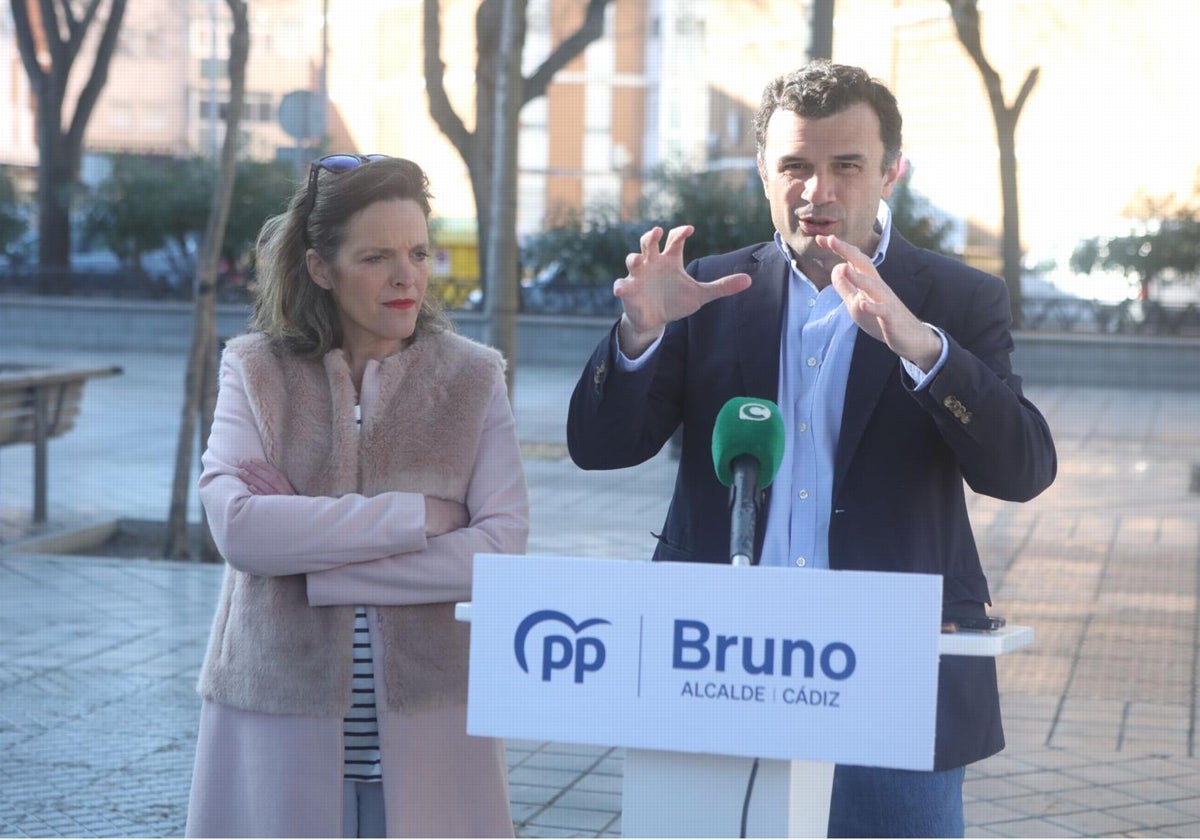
360 728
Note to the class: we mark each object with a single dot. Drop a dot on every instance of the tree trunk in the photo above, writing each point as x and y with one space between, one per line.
965 14
199 382
492 187
500 299
821 30
1011 248
48 58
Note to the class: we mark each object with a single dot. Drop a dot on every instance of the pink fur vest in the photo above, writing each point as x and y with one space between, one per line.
271 652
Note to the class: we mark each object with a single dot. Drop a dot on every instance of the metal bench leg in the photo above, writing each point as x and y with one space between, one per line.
39 455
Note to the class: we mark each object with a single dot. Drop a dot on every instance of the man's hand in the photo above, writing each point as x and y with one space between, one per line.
657 290
876 309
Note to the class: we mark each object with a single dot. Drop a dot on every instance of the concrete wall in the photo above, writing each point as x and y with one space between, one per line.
97 325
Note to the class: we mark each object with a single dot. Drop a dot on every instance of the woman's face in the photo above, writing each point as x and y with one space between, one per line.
379 276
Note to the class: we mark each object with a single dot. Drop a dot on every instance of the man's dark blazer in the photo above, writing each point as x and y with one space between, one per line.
902 456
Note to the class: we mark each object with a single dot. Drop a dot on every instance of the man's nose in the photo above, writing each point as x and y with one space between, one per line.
818 189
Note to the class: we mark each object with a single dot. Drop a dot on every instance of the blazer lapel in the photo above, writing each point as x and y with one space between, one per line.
759 312
873 363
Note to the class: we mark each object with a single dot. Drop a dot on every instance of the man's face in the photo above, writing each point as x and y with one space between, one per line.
824 176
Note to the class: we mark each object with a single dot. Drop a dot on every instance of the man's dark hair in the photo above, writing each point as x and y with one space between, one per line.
822 89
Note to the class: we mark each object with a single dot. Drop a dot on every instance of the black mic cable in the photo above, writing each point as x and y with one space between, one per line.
749 791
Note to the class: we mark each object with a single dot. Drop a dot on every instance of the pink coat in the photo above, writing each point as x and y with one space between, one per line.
269 757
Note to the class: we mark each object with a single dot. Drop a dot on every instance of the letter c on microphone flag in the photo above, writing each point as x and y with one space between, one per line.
748 426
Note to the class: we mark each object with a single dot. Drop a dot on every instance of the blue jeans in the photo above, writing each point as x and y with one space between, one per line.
877 802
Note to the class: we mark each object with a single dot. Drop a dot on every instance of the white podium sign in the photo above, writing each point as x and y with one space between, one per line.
770 662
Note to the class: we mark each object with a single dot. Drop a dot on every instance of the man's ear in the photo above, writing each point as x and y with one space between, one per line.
893 174
318 269
762 174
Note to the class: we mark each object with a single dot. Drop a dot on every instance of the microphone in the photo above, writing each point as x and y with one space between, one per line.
747 446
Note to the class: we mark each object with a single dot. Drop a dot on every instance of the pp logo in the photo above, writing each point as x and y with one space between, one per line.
754 411
584 654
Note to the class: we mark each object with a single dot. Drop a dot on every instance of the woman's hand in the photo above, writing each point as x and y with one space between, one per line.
264 479
443 516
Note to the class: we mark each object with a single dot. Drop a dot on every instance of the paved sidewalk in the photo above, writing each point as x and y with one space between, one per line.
98 656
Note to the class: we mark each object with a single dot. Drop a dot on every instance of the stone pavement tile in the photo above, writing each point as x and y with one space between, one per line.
1022 705
1031 827
521 812
607 783
537 795
542 777
572 819
1093 823
543 759
1140 744
992 789
1188 806
576 749
1047 781
988 812
1036 672
1000 765
613 764
1178 769
1150 817
1040 804
1157 791
590 800
536 830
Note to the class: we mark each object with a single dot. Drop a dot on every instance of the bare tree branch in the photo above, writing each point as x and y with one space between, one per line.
26 44
440 109
1026 88
59 54
91 91
591 29
79 27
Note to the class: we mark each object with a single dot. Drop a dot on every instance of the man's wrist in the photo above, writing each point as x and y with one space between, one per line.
633 343
927 357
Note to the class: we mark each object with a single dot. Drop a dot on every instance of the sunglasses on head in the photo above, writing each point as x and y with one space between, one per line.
332 163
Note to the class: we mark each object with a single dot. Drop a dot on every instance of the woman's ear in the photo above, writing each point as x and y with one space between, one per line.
318 269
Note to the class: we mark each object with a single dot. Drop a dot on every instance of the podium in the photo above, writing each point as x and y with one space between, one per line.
734 691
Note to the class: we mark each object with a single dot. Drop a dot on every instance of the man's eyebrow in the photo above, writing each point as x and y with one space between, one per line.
853 157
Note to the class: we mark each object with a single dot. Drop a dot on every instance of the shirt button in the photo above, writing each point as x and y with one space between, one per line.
801 562
803 427
803 494
812 361
812 302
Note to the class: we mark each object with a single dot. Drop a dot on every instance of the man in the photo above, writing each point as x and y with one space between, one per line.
891 368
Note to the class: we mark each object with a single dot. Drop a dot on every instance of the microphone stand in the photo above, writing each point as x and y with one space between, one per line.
743 501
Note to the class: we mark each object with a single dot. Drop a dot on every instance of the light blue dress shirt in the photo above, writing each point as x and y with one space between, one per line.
815 349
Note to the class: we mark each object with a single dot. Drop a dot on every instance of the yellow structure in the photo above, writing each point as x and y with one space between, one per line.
455 271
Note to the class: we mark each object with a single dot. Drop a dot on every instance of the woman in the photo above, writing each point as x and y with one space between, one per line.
360 456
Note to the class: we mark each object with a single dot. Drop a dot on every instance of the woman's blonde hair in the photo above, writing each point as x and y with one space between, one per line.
289 307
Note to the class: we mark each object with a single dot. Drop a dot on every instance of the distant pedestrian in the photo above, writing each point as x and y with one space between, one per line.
360 456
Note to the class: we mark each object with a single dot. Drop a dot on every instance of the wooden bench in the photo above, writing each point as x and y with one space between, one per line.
39 403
